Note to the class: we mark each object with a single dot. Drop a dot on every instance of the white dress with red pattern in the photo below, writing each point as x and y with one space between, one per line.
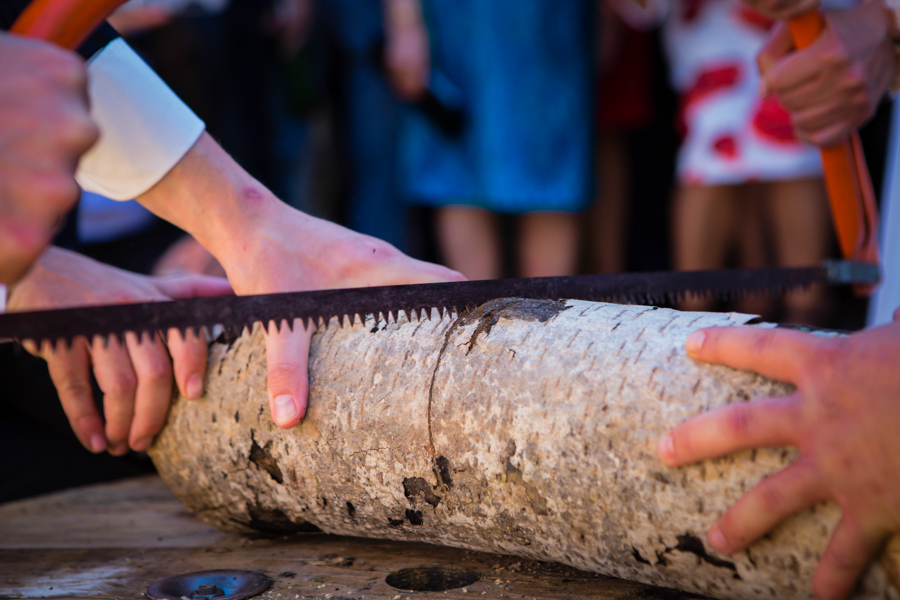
731 135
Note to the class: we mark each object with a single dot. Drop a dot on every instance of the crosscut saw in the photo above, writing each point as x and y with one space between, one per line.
69 22
234 313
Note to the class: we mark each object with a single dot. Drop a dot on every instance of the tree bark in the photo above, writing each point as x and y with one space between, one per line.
524 427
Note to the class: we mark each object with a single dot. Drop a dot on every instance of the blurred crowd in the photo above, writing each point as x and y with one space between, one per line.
503 139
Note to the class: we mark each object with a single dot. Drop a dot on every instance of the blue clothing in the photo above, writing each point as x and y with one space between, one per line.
525 69
369 121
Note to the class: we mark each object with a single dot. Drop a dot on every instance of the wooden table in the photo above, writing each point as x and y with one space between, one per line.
114 540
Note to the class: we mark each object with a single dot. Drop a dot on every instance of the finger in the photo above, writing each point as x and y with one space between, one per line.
776 47
754 424
153 395
845 559
801 67
287 354
189 354
70 370
777 353
771 501
194 286
896 315
118 382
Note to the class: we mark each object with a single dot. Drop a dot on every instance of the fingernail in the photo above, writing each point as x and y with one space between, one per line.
142 444
763 89
119 450
717 541
285 409
194 386
665 448
694 342
98 443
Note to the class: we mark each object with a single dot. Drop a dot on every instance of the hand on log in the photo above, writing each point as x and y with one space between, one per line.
522 427
135 377
265 247
844 417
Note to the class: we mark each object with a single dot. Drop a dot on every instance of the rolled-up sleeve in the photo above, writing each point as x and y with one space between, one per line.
145 129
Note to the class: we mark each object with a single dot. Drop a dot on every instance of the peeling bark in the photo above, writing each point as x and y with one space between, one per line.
524 427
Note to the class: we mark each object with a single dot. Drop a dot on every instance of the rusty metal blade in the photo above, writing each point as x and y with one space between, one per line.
234 313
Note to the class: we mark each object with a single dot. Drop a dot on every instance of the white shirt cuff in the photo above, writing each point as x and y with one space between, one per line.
145 129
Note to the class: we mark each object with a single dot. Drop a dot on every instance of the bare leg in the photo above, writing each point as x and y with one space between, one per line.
753 246
469 241
548 244
801 223
705 225
607 218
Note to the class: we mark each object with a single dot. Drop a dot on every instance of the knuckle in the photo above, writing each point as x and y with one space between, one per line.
741 420
285 376
771 497
65 68
122 385
157 371
59 191
78 133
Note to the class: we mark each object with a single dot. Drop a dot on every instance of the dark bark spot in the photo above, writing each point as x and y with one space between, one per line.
443 465
694 545
637 556
395 522
213 418
414 516
351 510
273 521
416 486
523 309
288 575
262 458
661 477
237 417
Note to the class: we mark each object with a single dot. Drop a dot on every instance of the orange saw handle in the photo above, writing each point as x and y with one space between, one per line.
850 192
66 23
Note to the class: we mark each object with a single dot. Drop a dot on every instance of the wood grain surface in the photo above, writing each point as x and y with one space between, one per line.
115 540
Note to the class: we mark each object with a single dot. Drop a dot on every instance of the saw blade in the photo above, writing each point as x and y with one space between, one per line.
234 313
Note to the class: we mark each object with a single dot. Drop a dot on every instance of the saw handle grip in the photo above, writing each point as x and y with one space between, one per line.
66 23
850 192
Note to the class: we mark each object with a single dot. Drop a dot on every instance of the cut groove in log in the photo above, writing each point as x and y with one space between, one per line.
524 427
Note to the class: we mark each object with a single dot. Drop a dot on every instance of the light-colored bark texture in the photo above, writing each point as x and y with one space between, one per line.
523 427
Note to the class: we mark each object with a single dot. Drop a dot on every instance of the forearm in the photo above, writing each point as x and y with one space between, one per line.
211 197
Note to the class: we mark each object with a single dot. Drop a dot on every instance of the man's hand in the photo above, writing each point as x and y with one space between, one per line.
844 417
266 246
44 130
834 85
135 378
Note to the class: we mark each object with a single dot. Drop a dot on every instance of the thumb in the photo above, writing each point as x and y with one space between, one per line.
776 47
193 286
287 355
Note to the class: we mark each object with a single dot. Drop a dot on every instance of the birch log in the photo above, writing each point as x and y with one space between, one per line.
525 427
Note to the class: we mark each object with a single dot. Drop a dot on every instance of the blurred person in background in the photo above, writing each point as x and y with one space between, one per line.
523 71
742 174
624 106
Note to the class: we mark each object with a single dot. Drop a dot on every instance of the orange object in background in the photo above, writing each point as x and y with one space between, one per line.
852 198
66 23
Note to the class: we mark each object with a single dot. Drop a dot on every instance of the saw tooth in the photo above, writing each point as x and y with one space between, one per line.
60 344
